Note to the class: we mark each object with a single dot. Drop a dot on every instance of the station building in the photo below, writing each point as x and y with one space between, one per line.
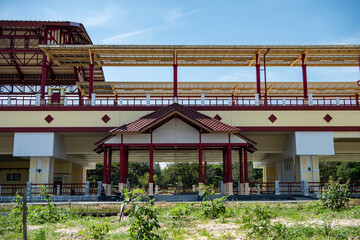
59 117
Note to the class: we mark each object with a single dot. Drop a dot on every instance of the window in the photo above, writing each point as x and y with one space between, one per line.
14 177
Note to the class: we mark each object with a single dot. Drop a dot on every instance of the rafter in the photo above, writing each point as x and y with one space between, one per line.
13 61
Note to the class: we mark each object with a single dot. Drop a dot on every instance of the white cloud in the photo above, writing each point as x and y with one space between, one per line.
175 14
128 34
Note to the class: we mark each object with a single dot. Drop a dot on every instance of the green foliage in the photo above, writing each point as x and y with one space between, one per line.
143 218
40 234
15 216
181 212
96 231
256 219
215 207
355 212
346 171
334 196
48 214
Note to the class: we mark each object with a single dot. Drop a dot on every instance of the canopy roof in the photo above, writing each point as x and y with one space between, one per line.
159 117
205 55
21 57
218 88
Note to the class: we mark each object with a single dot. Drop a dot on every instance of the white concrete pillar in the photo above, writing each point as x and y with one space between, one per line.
194 188
156 189
58 190
93 99
37 99
337 101
65 101
87 188
230 101
242 189
99 185
230 188
9 102
202 99
306 188
258 189
222 188
277 187
200 189
257 99
247 189
28 189
151 189
120 101
284 101
147 99
310 97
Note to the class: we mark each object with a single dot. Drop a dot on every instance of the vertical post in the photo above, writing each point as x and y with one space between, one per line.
229 172
151 170
24 215
205 173
109 168
126 165
246 184
91 79
200 170
241 168
277 187
99 186
258 189
104 180
258 83
303 66
87 188
122 181
175 74
58 189
44 68
224 168
357 99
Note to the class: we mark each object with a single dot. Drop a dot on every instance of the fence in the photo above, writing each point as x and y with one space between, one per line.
191 101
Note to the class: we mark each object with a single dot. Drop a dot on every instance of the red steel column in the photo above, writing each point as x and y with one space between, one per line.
105 166
122 165
109 168
175 66
303 66
200 165
151 179
126 164
241 165
44 68
91 79
229 168
224 166
246 165
258 83
205 173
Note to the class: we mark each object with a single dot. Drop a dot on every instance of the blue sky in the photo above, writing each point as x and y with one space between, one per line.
206 22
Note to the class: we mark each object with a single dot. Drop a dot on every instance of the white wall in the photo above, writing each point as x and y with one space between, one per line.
176 131
314 143
33 144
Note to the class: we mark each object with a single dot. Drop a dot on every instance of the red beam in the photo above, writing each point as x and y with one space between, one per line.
175 66
229 165
303 66
91 80
241 165
258 81
200 165
13 61
224 165
246 165
151 162
109 168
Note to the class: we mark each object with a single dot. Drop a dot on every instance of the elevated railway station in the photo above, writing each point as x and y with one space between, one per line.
59 116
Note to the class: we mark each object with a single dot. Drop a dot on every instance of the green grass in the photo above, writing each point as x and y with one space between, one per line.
297 220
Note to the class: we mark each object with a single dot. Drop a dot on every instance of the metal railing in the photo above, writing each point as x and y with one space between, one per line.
161 101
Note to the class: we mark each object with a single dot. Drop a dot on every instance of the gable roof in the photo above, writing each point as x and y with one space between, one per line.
159 117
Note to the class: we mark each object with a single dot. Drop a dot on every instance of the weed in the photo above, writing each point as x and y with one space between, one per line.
215 207
96 231
40 234
334 196
256 218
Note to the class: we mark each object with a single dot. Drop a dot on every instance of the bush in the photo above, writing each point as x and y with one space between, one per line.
181 212
215 207
144 223
48 214
256 218
334 196
97 231
40 234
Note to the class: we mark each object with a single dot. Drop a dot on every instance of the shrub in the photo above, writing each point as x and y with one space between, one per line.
144 223
334 196
51 214
181 212
98 231
256 218
355 212
40 234
215 207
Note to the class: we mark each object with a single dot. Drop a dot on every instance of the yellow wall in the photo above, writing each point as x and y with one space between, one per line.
78 173
10 167
234 118
270 172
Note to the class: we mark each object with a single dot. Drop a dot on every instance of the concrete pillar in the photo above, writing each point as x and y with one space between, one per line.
306 188
194 188
93 99
202 99
246 189
37 99
41 170
151 189
258 189
58 189
28 189
148 99
87 188
99 186
277 187
257 101
307 168
156 189
222 188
